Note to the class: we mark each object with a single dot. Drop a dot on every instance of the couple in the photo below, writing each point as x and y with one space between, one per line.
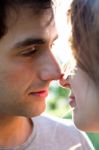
27 66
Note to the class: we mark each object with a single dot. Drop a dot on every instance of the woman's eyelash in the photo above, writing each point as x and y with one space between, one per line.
53 44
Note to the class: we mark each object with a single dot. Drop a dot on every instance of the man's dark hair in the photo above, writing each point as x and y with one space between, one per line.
38 6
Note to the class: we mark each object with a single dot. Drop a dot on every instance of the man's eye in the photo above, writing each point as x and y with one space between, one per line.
28 52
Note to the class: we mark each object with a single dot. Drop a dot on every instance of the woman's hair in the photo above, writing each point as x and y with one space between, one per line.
84 17
36 5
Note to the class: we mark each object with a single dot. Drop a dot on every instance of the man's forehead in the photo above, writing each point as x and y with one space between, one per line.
38 36
28 26
46 18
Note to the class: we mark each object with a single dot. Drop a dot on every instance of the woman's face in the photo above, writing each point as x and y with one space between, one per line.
84 99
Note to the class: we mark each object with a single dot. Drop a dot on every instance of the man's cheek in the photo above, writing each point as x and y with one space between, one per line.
12 78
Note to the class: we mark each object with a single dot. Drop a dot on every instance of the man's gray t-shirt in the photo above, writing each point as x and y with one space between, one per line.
54 134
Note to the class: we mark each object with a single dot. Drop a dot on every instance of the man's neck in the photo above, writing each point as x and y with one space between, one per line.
14 131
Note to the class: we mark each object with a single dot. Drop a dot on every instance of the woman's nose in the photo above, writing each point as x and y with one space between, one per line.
64 82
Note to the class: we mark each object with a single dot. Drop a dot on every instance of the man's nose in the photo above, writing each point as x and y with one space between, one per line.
51 69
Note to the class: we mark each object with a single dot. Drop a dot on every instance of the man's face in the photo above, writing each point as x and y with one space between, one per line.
27 65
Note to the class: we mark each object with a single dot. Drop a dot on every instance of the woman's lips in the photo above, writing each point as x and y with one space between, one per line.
72 101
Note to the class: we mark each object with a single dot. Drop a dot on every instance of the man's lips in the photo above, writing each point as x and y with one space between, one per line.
42 93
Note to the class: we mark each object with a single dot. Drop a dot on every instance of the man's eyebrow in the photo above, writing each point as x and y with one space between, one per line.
28 42
31 41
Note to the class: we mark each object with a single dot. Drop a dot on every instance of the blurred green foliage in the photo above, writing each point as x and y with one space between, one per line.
57 105
57 102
